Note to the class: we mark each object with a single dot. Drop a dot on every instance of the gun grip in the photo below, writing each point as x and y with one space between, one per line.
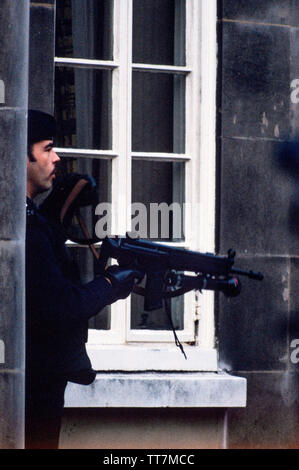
104 255
154 290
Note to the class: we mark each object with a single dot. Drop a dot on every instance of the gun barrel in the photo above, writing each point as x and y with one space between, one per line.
251 274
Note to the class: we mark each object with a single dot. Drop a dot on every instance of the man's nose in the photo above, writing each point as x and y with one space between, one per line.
55 157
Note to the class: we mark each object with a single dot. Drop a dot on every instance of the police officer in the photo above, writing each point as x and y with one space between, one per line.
58 306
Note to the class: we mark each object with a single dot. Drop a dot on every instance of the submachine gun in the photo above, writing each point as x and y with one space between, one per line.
166 269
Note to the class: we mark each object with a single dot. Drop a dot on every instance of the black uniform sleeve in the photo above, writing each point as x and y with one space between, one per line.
53 299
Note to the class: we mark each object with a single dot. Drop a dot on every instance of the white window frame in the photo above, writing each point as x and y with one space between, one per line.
121 348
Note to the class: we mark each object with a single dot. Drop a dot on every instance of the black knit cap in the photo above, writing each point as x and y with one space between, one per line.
41 126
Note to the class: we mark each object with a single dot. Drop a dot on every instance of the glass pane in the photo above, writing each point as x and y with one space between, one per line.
158 196
159 32
157 319
100 170
83 108
84 29
158 112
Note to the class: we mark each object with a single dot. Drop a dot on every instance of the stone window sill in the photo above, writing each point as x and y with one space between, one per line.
158 390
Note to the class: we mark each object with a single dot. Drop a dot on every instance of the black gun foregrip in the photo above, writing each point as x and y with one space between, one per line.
153 299
231 287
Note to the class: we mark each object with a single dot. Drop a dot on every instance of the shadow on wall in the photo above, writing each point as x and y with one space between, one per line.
287 159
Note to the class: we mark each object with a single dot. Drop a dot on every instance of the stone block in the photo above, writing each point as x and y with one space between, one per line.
281 12
41 57
253 327
270 420
12 410
256 203
139 428
12 311
13 136
294 315
294 82
255 76
158 390
14 60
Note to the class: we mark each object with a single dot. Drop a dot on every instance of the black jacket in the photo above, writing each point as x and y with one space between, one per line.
58 306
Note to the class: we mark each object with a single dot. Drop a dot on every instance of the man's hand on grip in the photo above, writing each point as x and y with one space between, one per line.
123 279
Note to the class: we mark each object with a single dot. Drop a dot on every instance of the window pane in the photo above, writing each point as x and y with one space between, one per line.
157 319
84 29
83 108
158 112
159 32
158 196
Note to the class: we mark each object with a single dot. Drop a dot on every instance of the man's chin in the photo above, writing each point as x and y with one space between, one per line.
43 194
46 188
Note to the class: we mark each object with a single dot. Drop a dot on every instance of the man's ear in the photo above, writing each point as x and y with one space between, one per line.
30 157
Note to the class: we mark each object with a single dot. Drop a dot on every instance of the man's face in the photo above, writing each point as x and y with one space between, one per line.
41 172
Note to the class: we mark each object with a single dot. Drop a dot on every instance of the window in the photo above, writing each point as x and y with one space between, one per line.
136 112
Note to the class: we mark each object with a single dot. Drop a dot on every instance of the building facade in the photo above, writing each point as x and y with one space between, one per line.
189 105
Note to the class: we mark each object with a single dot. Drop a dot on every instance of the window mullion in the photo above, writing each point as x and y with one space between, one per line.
121 109
85 63
202 122
160 156
85 153
192 142
208 157
121 140
155 68
192 122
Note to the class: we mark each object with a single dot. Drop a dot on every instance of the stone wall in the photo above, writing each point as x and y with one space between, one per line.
14 24
258 214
